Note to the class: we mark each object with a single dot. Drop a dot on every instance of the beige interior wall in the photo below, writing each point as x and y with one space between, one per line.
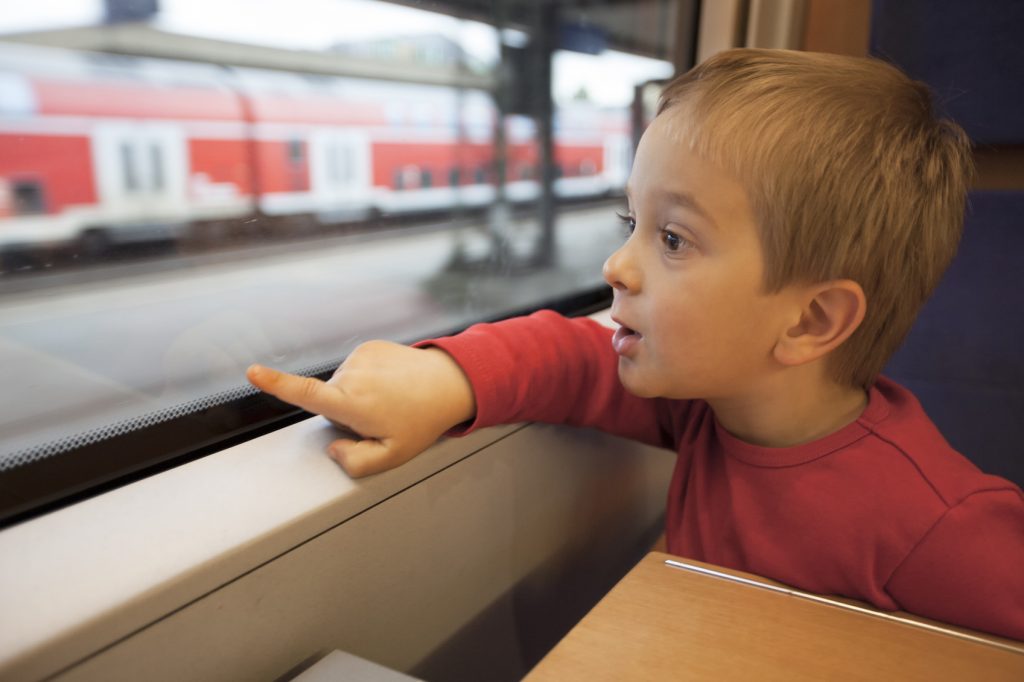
1000 167
465 575
838 26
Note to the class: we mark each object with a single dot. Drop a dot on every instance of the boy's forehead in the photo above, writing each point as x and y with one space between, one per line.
665 158
650 152
668 170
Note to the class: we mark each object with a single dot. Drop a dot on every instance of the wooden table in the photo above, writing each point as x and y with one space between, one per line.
671 619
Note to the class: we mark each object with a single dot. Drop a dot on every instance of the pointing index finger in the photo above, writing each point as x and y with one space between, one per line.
308 393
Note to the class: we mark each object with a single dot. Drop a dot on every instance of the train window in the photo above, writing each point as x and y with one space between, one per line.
156 167
129 170
28 197
276 190
296 152
336 171
339 164
346 165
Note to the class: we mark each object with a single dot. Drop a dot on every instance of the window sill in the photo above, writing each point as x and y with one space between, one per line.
133 554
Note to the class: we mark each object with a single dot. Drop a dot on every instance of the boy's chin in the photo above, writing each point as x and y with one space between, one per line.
634 381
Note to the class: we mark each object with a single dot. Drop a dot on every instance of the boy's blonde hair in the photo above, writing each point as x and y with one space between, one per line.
849 174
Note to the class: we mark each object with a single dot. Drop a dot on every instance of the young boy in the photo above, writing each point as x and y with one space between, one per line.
788 213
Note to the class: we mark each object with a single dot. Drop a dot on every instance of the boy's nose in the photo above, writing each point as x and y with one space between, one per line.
621 271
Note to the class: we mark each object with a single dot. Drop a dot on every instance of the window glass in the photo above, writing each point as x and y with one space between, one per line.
277 190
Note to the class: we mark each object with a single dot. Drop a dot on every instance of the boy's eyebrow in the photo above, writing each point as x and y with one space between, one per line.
688 201
684 199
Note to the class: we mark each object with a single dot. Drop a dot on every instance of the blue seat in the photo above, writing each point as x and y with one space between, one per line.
964 357
969 53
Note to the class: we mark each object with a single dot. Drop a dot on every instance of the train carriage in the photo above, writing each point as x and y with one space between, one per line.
98 149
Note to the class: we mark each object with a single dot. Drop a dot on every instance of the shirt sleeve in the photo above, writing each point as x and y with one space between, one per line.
549 368
968 569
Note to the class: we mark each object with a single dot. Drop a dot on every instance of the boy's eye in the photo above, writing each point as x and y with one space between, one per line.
628 221
673 242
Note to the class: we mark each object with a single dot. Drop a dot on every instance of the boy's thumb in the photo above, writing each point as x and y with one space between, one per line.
363 457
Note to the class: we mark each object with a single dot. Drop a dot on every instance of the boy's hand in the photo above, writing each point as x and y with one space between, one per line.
399 399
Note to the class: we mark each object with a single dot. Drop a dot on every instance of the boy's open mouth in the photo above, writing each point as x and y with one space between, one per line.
625 339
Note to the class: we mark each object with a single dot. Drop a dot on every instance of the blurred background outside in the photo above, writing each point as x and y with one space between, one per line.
191 186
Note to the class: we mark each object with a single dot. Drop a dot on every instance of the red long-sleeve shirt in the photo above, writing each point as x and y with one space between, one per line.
883 510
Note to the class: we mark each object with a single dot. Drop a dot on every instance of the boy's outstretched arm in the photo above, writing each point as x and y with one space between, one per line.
399 399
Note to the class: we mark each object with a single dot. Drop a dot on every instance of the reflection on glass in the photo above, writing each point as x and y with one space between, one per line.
339 170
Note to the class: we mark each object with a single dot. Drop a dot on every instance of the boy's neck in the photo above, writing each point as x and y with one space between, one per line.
792 409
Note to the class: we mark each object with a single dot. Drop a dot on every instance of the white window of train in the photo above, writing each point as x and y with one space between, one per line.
340 167
140 169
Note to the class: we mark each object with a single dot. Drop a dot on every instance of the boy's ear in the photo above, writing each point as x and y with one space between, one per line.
829 313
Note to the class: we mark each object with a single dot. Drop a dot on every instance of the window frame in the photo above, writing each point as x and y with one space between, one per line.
54 480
